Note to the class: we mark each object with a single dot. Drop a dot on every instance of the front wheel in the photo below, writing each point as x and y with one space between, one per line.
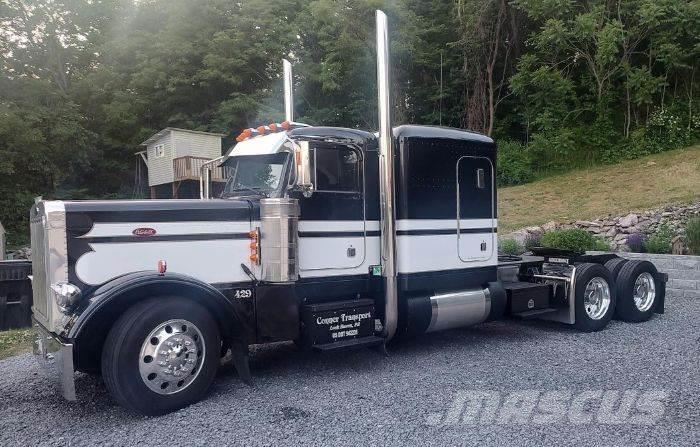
161 355
594 297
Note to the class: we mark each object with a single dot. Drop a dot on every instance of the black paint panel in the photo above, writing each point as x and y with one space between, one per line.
338 233
83 214
447 280
426 171
445 231
169 237
331 206
355 136
277 313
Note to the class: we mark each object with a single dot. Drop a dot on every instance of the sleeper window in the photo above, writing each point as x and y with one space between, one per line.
337 169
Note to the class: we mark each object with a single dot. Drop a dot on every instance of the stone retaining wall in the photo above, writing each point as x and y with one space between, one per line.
616 229
683 272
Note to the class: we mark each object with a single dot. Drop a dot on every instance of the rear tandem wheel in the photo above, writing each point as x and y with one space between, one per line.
594 297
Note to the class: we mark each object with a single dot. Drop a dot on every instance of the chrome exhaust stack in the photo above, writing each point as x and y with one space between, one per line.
386 180
288 91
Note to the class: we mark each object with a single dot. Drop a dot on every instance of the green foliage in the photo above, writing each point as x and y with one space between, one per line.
667 129
562 83
660 241
15 341
600 244
574 239
692 235
510 247
514 163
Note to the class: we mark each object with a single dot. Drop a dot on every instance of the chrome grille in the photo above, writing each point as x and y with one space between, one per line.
38 236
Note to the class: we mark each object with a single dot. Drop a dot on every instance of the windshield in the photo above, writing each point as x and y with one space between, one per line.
256 174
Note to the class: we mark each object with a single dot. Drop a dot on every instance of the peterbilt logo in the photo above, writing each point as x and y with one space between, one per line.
144 232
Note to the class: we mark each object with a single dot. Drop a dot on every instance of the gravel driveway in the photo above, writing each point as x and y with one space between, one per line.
362 398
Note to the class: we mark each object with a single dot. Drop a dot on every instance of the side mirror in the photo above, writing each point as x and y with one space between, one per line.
302 157
205 177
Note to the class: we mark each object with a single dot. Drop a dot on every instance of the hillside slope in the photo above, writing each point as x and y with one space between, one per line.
633 185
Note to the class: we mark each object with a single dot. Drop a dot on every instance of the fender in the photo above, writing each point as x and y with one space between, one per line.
100 308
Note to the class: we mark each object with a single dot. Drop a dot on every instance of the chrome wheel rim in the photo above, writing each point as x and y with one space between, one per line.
596 298
644 291
171 356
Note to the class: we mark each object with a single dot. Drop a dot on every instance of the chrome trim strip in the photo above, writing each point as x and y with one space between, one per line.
487 303
572 297
55 253
556 278
494 241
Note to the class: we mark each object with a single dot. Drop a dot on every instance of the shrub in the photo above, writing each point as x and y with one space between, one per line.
574 239
636 242
514 163
660 242
667 129
600 244
556 150
533 240
511 247
637 145
692 235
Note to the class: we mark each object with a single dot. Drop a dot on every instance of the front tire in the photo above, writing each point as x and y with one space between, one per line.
161 355
594 296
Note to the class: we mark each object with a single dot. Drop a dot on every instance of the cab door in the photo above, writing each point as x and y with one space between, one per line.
332 229
476 209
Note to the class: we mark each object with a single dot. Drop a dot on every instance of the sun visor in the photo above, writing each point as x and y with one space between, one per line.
262 145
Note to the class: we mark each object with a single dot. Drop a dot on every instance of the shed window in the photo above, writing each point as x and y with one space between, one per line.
159 150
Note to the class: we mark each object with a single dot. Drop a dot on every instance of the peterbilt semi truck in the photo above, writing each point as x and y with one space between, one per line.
333 238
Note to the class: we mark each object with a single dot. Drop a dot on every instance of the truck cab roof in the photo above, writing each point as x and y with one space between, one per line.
404 131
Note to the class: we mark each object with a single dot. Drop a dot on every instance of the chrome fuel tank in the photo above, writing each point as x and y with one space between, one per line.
279 220
459 309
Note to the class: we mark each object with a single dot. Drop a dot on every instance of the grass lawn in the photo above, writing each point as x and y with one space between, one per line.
15 341
634 185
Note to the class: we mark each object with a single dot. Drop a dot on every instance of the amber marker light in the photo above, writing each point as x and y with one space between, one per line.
254 246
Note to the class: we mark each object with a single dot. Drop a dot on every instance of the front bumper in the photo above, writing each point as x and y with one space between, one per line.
56 358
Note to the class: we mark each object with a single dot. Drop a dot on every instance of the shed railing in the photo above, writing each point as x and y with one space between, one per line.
189 167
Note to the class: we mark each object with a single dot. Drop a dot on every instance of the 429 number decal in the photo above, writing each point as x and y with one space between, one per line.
242 293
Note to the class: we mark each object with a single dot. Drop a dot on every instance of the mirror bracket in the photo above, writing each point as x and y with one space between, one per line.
302 159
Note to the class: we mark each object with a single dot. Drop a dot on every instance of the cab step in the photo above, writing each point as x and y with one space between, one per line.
354 343
534 313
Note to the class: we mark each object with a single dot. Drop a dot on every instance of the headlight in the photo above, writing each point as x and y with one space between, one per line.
66 295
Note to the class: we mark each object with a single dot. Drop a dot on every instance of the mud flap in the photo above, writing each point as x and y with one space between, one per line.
659 308
240 358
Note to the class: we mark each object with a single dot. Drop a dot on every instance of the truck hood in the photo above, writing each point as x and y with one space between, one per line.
105 239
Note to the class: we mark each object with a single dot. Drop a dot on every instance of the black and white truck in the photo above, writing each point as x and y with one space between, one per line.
330 237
